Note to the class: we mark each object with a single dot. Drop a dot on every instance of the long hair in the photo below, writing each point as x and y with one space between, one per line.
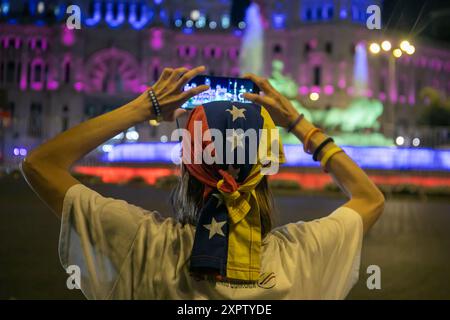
187 200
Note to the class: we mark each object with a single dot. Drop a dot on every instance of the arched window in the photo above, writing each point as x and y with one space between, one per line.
65 118
155 73
277 48
67 72
10 71
308 14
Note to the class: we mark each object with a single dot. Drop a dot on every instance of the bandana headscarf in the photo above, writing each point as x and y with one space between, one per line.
227 241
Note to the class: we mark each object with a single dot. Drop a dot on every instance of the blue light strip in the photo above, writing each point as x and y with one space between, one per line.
97 15
112 21
132 19
382 158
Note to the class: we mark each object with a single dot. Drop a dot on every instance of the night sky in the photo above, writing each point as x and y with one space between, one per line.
418 18
423 18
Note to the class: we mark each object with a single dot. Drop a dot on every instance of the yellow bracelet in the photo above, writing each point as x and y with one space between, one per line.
327 156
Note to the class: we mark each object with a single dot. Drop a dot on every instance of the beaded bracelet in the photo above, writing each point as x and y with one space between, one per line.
155 105
295 123
321 146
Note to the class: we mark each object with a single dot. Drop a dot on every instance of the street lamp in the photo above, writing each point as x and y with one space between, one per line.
404 47
386 45
374 48
397 53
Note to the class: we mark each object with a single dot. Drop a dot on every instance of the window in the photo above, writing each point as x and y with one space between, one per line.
67 72
330 13
233 53
306 48
317 75
308 15
37 73
402 87
382 84
319 13
35 120
329 47
65 118
155 73
2 67
19 71
277 48
10 69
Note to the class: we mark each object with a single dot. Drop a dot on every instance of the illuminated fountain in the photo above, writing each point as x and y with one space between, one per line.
357 124
252 55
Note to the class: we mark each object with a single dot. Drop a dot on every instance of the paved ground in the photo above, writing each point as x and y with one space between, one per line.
410 243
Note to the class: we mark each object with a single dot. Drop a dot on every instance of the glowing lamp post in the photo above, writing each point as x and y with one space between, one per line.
393 53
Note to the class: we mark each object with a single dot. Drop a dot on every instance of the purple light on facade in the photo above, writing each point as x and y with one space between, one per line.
393 96
23 83
402 99
16 151
313 43
23 152
78 86
37 86
315 89
412 99
382 96
303 90
329 89
343 13
52 85
156 39
142 88
342 83
68 37
350 90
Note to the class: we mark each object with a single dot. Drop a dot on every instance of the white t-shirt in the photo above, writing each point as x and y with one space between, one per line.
126 252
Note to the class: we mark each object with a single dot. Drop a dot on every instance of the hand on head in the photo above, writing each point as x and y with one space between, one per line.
279 107
169 92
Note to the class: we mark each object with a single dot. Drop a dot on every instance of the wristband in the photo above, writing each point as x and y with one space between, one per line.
321 146
155 105
327 156
295 123
308 137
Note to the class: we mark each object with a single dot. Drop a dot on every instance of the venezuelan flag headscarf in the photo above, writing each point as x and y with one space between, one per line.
227 241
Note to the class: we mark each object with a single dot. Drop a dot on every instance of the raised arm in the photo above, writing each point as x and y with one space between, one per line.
47 167
364 197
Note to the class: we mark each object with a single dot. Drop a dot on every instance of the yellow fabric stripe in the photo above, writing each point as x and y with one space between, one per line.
244 239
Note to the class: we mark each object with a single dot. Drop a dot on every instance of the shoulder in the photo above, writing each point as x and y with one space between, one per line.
341 221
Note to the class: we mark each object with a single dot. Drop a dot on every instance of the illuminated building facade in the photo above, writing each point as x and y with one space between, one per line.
54 77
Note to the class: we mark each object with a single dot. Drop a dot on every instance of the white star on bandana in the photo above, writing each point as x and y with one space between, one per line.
237 113
219 199
215 228
236 140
